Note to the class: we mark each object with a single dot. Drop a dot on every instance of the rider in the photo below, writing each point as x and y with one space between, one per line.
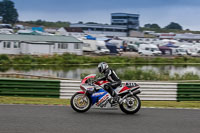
110 76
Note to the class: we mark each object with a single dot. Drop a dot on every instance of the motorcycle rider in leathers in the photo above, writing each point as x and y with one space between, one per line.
110 76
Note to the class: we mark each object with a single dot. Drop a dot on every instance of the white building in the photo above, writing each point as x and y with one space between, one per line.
67 31
6 31
39 45
188 37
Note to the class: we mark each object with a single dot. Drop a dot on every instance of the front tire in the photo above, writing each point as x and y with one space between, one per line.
131 105
80 103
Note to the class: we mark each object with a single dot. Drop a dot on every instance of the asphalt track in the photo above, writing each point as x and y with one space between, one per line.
61 119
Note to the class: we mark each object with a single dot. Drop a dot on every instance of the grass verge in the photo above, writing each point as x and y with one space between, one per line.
28 100
56 101
172 104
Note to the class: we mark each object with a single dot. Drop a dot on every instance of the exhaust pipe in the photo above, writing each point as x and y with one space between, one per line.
130 94
136 92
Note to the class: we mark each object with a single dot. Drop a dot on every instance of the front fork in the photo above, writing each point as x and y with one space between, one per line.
86 93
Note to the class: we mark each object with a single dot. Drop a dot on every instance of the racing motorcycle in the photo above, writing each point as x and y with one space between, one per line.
93 94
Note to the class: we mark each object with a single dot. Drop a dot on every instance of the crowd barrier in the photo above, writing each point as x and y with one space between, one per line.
30 88
64 89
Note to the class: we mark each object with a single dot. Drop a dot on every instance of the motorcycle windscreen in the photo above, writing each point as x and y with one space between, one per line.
98 95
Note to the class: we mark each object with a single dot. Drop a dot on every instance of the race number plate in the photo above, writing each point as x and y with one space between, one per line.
131 85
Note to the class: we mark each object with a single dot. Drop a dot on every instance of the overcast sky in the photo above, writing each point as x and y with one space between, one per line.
162 12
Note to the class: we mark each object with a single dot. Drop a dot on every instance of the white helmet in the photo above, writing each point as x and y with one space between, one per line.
102 67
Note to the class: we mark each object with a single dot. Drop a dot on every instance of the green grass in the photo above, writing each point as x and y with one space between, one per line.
172 104
138 74
55 101
67 59
27 100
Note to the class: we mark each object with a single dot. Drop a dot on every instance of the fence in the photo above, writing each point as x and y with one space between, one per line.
188 92
150 90
64 89
30 88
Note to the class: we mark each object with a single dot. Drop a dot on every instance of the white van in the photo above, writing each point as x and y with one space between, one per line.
179 51
102 50
191 49
149 50
94 46
132 47
89 45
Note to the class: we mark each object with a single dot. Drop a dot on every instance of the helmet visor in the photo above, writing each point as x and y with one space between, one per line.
100 70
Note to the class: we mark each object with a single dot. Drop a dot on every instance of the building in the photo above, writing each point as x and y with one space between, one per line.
102 29
70 31
8 26
39 45
181 37
167 35
130 21
121 25
188 37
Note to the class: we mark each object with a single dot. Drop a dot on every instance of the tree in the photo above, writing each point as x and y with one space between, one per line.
91 23
147 26
155 26
187 29
80 22
173 25
8 12
39 22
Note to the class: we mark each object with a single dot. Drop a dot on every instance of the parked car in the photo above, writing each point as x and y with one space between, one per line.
149 50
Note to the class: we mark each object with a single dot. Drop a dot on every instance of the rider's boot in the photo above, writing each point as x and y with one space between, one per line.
115 98
114 95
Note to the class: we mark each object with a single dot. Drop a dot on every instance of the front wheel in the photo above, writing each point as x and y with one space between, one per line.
80 102
131 105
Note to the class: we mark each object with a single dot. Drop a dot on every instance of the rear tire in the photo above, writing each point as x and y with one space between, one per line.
131 105
80 104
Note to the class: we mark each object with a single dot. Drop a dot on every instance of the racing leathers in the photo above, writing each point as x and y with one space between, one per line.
113 79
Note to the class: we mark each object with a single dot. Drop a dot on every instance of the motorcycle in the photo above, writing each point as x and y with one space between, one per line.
93 94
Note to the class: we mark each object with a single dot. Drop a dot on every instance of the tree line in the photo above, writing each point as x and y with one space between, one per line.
172 25
46 23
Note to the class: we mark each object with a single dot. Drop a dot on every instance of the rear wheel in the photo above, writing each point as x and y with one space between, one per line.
131 105
80 102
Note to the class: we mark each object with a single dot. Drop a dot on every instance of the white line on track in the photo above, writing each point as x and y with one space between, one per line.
100 108
170 108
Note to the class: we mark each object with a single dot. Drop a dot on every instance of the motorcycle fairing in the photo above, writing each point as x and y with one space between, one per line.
125 89
97 96
88 77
